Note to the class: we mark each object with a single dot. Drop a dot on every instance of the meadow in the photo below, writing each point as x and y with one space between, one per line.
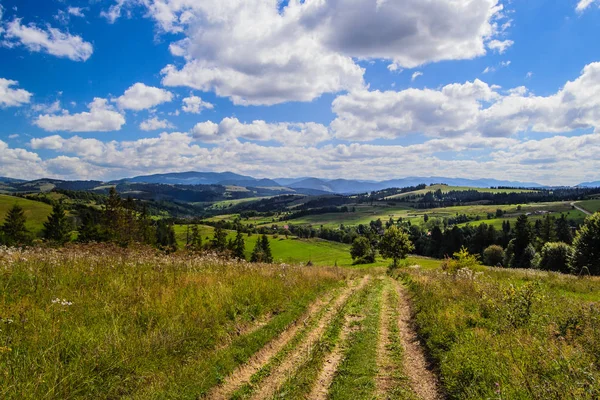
446 189
36 212
590 205
509 334
105 322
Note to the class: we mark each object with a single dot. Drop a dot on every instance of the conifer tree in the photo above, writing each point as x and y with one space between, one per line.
266 248
195 239
563 230
258 254
57 228
239 246
113 215
14 231
219 241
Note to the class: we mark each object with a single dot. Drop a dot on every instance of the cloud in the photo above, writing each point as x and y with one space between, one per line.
76 11
291 134
195 105
13 136
472 107
416 75
49 40
559 160
262 53
51 108
10 97
154 124
100 118
584 4
141 97
500 45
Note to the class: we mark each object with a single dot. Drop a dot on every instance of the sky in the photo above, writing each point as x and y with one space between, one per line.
356 89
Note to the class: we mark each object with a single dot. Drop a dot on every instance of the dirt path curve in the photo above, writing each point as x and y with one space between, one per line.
242 375
583 210
422 380
274 381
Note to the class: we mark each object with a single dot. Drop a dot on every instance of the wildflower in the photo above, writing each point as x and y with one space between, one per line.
4 349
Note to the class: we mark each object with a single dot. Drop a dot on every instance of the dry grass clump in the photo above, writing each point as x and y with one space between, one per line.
100 321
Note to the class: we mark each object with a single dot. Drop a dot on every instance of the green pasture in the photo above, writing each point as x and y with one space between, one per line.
35 211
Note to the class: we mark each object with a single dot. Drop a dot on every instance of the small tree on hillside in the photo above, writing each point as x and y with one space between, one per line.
195 239
395 244
219 241
586 246
493 255
266 247
362 251
239 246
14 231
57 228
556 257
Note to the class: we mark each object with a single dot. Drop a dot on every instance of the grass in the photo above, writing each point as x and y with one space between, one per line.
446 189
135 323
299 251
35 212
590 205
506 334
355 377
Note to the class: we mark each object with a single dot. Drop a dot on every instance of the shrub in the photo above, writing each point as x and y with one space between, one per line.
556 257
493 256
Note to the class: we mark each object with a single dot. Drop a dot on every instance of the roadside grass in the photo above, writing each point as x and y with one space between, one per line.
590 205
355 377
104 322
35 212
504 334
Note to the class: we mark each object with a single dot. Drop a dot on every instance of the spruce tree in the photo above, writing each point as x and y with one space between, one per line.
57 228
195 239
113 215
239 246
523 238
586 247
258 254
563 230
219 241
14 231
266 248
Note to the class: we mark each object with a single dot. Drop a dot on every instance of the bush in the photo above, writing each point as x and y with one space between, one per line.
493 256
556 257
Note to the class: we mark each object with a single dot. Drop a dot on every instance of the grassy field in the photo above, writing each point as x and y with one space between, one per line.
502 334
103 322
35 212
446 189
590 205
300 251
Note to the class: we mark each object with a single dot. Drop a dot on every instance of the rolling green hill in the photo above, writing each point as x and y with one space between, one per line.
446 189
35 211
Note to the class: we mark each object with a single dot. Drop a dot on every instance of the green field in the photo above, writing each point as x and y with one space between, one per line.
35 212
446 189
590 205
300 251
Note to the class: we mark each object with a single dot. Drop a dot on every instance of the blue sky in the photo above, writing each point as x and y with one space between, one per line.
369 89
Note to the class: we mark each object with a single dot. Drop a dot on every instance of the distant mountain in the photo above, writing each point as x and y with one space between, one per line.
191 178
589 184
4 179
252 183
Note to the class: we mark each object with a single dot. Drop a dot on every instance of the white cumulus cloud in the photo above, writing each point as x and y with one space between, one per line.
195 105
10 97
154 124
49 40
101 118
141 97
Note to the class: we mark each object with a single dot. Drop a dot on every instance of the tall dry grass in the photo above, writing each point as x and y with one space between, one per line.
105 322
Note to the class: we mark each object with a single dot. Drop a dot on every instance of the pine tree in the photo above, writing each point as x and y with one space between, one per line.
563 230
219 241
90 230
57 228
14 231
113 215
548 232
239 246
195 239
145 232
523 238
266 248
258 254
